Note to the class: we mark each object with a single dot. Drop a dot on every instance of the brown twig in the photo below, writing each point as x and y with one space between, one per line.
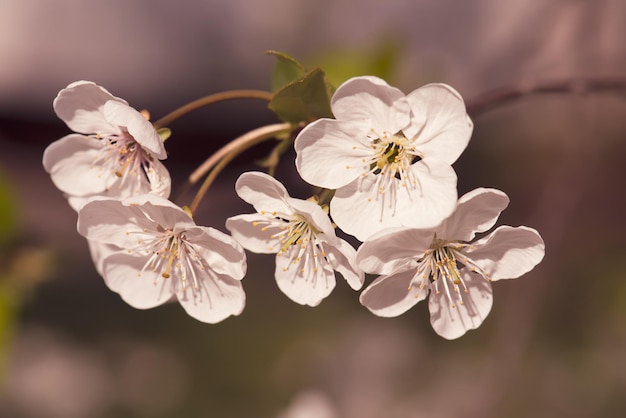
504 95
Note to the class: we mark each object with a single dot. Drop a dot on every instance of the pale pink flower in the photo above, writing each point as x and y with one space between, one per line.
150 251
445 263
114 153
301 235
387 155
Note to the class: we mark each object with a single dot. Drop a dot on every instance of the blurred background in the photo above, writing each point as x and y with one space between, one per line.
554 342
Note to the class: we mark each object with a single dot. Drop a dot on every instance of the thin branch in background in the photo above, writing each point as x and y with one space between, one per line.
580 86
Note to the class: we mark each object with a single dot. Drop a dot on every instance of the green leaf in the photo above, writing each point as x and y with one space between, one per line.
286 70
305 99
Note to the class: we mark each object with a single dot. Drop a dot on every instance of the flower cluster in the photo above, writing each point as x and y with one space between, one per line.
383 161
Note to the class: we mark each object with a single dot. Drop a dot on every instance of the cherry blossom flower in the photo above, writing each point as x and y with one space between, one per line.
444 262
115 151
150 251
387 155
301 235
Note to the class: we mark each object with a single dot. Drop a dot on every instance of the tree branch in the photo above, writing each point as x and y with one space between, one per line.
580 86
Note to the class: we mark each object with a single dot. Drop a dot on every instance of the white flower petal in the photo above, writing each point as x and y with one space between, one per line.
397 250
342 258
263 192
435 198
77 202
357 213
447 129
508 252
451 323
120 114
358 209
389 296
111 222
159 180
299 280
371 99
99 252
160 211
80 106
314 215
330 153
70 162
141 290
260 239
476 211
219 251
128 223
218 297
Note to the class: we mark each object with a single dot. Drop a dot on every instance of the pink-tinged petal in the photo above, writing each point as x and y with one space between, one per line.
372 100
220 252
140 288
111 222
154 181
396 250
476 211
80 106
77 202
218 297
138 127
159 179
263 192
314 215
300 281
330 153
70 162
434 199
508 252
260 239
447 129
358 209
392 295
452 322
99 252
160 211
342 258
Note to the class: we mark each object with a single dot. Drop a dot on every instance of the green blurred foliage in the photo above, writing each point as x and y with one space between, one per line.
8 213
343 63
8 232
22 266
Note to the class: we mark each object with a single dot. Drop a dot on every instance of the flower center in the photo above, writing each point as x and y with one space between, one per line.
393 155
297 237
171 255
294 230
125 158
389 162
439 268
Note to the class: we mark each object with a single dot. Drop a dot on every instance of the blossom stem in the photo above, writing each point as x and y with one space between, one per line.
218 161
210 99
325 195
